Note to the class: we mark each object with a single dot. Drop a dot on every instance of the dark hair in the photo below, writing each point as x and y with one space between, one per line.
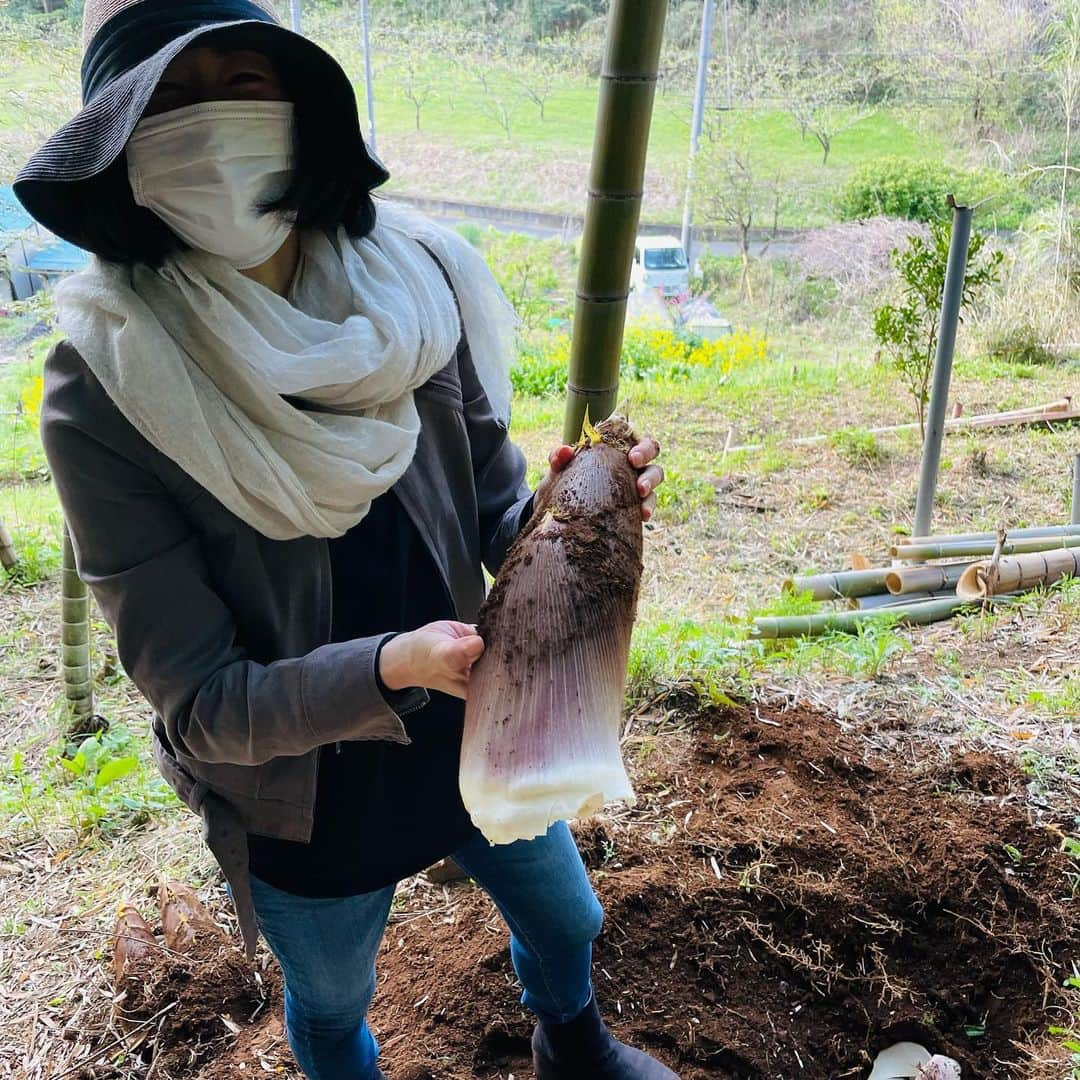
332 179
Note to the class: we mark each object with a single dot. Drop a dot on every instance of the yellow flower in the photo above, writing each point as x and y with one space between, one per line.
31 399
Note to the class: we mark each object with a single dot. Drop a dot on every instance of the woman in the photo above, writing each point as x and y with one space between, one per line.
278 429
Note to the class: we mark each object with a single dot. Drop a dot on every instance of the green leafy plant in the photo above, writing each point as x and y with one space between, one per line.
857 447
908 331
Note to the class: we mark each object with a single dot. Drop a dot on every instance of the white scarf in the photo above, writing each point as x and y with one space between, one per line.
196 356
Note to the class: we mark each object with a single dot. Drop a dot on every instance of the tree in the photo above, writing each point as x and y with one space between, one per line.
908 331
1063 62
416 85
824 99
537 76
501 97
728 192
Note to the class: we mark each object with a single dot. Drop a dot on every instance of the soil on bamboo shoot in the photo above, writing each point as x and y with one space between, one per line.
542 718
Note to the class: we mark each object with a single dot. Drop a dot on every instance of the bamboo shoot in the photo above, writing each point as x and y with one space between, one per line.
541 739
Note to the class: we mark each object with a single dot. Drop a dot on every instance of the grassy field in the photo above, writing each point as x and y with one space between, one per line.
461 149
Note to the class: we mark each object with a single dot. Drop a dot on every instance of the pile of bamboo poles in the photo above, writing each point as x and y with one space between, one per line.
983 568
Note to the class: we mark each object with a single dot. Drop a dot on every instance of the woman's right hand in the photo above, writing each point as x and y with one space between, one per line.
438 656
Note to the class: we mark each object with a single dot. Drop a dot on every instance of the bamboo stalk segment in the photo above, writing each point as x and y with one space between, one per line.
848 622
8 558
960 549
891 600
75 634
917 579
616 179
974 537
844 583
1018 574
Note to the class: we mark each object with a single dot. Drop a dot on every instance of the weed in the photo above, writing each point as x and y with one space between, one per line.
858 447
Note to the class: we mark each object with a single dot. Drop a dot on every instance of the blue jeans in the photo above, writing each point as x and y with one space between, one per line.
327 948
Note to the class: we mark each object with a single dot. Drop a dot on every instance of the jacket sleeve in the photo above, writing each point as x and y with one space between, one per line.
503 498
175 635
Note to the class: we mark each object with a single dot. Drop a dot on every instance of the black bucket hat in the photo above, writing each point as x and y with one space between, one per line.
127 45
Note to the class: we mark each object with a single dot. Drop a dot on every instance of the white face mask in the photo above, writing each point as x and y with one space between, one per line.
204 169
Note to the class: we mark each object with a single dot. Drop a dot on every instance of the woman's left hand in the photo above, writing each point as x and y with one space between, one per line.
641 455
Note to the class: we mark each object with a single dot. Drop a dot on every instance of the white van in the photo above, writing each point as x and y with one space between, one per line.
660 263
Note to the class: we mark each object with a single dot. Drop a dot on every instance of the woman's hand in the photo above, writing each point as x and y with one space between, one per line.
650 477
438 656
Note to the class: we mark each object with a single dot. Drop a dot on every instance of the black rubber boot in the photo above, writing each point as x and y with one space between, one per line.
584 1049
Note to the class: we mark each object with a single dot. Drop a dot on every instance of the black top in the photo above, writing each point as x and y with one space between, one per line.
382 811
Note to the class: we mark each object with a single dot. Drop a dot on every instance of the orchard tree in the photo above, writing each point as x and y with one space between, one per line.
908 331
416 84
729 192
537 75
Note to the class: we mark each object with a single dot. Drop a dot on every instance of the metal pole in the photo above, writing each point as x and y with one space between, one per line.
951 300
369 88
695 124
1075 519
294 13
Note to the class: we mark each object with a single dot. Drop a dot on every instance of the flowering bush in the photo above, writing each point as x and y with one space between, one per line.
649 354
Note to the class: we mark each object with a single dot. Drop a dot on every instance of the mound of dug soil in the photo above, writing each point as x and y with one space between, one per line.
779 905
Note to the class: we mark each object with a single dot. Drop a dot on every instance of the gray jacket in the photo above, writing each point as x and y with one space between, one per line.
227 633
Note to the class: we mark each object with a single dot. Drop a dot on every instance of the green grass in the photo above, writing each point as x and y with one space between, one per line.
44 70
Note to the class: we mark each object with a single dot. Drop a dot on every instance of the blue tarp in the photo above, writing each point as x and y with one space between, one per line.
13 218
57 258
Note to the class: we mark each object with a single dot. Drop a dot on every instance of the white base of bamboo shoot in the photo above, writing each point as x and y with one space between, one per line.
528 810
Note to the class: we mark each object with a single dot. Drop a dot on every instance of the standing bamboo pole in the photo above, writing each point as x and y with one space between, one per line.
627 86
75 636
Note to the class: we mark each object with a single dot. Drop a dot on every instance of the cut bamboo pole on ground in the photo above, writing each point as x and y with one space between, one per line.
1053 412
848 622
974 548
1015 534
844 583
616 179
916 579
891 600
8 558
1017 574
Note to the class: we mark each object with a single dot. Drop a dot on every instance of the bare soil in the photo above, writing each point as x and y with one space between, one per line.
780 904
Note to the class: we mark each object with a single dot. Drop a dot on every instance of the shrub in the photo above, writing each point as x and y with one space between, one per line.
916 190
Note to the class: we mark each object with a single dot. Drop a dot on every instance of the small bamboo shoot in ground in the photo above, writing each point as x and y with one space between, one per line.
133 941
541 739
